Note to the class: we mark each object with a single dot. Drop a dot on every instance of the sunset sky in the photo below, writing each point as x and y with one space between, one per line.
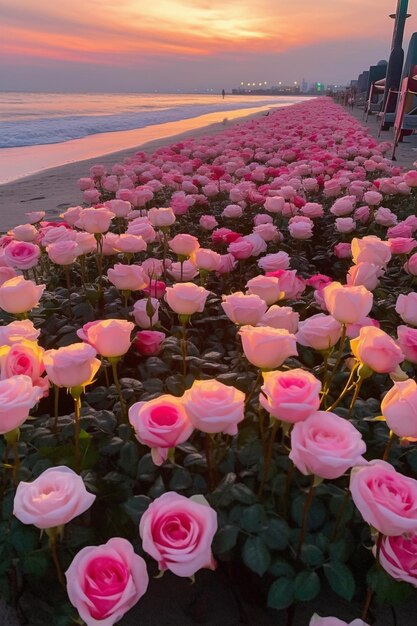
144 45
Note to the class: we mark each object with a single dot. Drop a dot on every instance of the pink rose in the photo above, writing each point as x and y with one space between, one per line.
206 259
183 244
6 273
130 244
406 307
266 287
345 224
18 295
25 232
72 366
232 211
186 298
241 249
385 217
146 312
407 340
320 332
72 214
373 198
399 407
244 309
372 250
24 357
17 397
143 228
272 262
183 271
64 252
208 222
148 342
268 232
161 218
22 255
127 277
326 445
121 208
104 582
53 499
377 350
35 216
110 338
410 266
274 204
155 288
177 532
280 317
161 424
365 274
347 304
312 209
342 250
353 330
214 407
290 396
402 245
410 178
343 206
16 331
265 347
386 499
95 220
398 557
316 620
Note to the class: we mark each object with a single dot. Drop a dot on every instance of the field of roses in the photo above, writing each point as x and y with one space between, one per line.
211 363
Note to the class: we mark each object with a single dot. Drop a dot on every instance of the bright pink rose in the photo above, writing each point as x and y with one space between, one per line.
406 307
53 499
399 407
127 277
267 348
186 298
22 255
24 357
347 304
18 295
177 532
244 309
342 250
377 350
398 557
326 445
402 245
110 338
214 407
320 332
148 342
407 340
72 366
104 582
289 283
161 424
155 288
290 396
386 499
17 397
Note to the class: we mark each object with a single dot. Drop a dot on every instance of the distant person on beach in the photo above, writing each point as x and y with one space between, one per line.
223 93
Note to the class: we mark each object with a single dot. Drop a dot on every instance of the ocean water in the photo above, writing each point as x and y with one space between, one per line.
30 119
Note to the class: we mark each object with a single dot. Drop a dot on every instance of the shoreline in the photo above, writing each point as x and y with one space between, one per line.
55 189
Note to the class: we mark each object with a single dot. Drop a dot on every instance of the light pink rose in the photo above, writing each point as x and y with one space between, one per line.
410 266
208 222
326 445
266 287
232 211
406 307
353 330
398 557
377 350
402 245
371 249
161 424
18 295
365 274
110 338
183 244
272 262
320 332
243 308
345 224
399 407
265 347
268 232
25 232
109 244
35 216
121 208
316 620
53 499
274 204
130 244
241 249
17 397
290 396
280 317
104 582
343 206
64 252
148 342
206 259
145 312
71 366
347 304
183 271
72 215
410 178
186 298
259 246
161 218
142 227
312 210
24 357
373 198
177 532
155 288
18 330
95 220
6 273
214 407
127 277
385 217
227 264
386 499
342 250
22 255
407 340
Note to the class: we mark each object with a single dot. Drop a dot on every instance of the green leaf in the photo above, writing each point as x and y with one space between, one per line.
225 539
277 533
280 567
256 555
129 457
340 579
181 479
387 590
76 535
311 555
135 507
23 538
316 515
281 593
307 586
241 493
36 563
253 518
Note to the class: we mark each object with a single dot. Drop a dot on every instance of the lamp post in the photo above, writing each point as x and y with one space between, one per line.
396 59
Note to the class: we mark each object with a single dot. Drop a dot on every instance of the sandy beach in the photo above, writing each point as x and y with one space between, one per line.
54 189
